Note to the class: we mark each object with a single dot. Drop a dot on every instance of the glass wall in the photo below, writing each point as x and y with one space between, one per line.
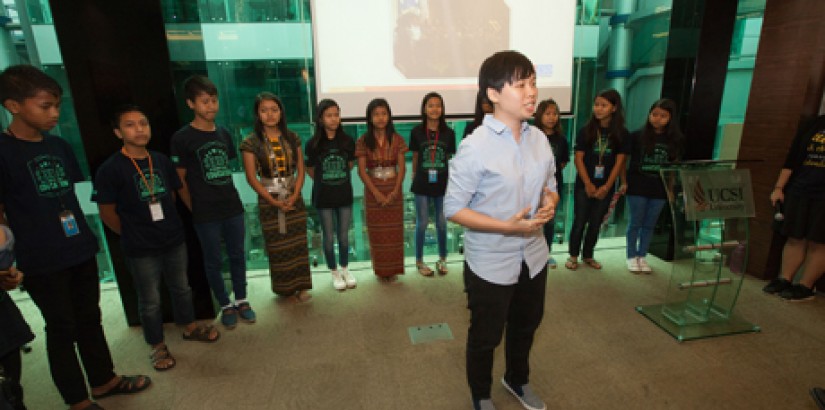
248 46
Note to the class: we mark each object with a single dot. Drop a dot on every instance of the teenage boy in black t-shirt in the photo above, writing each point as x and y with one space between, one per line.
202 152
135 191
55 247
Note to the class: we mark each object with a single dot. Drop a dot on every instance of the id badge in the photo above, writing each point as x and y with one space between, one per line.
599 172
69 224
156 211
432 175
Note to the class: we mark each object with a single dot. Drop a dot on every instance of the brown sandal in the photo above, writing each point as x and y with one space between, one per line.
571 264
424 269
441 267
159 356
203 333
592 263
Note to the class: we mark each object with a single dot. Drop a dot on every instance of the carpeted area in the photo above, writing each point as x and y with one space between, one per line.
350 350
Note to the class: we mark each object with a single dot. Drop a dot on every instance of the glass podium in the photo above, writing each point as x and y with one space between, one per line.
710 202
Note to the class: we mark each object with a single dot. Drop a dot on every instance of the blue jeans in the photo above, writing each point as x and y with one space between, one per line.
147 272
232 231
644 212
422 219
328 217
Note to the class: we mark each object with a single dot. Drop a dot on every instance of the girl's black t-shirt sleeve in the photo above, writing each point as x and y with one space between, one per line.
797 152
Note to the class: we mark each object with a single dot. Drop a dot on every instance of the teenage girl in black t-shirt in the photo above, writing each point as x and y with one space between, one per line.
601 149
547 119
432 144
658 142
330 156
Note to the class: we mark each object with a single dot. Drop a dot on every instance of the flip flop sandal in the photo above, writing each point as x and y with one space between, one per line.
571 264
162 354
202 334
126 385
441 267
592 263
424 269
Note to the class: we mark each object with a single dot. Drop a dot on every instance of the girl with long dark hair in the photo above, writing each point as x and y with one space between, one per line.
432 143
330 155
601 149
273 154
658 142
380 152
547 118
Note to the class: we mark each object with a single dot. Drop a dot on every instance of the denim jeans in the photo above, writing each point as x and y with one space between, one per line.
69 301
147 272
518 308
232 231
422 219
588 214
644 212
329 216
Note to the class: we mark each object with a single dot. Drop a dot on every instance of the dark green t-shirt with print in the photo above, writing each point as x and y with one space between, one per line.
434 151
331 186
206 156
118 182
36 186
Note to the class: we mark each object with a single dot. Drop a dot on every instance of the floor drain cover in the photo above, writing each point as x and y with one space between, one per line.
429 333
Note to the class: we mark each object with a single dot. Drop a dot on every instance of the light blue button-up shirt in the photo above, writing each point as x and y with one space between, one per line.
493 175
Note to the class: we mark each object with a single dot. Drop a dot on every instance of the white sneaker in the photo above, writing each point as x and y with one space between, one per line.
633 265
348 278
643 266
337 281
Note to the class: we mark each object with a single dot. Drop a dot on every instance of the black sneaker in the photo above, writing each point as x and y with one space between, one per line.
797 293
777 285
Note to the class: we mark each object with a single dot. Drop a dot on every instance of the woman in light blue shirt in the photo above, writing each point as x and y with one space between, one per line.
502 189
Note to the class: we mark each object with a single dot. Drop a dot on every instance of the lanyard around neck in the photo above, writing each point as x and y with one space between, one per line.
149 187
432 147
602 145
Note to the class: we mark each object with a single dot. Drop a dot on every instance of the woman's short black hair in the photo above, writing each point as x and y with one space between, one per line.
503 67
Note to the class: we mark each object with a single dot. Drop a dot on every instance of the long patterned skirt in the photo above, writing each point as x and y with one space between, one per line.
385 228
288 253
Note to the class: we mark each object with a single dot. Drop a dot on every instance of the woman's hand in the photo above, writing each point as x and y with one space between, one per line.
601 192
10 279
777 195
380 198
519 224
391 197
590 190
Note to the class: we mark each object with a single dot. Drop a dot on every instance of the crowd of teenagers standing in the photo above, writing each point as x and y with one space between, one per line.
503 185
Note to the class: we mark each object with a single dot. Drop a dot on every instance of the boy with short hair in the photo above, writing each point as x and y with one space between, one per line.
201 152
55 247
502 189
135 191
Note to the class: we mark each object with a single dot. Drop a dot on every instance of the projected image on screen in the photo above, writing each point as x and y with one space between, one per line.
402 49
468 28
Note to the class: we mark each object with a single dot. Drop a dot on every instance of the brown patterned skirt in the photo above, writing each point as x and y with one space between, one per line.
385 228
288 253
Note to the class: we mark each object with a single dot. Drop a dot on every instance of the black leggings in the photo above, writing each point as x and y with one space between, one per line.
588 213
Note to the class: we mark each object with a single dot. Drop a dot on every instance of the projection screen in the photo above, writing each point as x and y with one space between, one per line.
402 49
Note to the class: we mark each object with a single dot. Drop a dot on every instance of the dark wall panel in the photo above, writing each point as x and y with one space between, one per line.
115 52
788 83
